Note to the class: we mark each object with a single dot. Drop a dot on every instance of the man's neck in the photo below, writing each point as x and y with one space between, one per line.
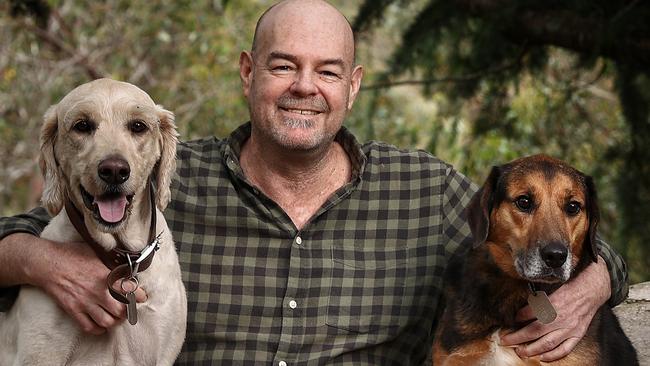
299 181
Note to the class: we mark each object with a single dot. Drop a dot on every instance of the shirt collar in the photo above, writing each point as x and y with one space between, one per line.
344 137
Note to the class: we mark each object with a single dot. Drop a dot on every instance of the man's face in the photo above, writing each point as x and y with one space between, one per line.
300 80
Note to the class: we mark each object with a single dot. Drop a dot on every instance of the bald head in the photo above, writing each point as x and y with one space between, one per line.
303 16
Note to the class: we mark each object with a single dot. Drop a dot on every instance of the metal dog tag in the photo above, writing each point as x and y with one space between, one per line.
542 307
131 309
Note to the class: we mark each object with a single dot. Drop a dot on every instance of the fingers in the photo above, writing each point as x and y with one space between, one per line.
78 286
560 351
140 295
542 345
96 320
87 324
94 317
125 287
113 307
539 339
524 335
576 303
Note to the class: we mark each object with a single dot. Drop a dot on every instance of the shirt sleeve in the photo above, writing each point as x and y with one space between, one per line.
33 223
458 191
617 272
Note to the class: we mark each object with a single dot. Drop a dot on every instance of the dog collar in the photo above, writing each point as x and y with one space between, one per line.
124 264
129 271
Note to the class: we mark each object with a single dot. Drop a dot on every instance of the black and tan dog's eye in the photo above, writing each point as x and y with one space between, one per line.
573 208
524 203
83 126
137 126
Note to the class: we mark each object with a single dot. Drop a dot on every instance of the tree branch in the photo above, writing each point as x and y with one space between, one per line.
452 79
593 34
79 58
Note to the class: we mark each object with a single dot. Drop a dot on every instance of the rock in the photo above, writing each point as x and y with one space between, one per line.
634 315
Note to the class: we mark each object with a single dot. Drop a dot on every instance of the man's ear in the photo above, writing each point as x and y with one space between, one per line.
593 213
355 85
479 208
53 196
246 71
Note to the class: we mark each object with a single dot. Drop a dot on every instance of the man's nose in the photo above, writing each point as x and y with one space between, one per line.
304 84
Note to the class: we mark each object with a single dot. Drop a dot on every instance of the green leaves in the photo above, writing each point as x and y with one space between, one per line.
519 77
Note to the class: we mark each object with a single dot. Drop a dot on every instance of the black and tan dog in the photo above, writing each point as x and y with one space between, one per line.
534 224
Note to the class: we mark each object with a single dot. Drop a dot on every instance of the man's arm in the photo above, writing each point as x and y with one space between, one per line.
70 273
32 222
617 270
576 303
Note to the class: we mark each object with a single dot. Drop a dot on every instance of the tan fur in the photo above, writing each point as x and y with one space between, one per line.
40 333
512 231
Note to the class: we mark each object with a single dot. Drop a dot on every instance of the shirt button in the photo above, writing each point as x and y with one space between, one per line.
282 363
293 304
298 240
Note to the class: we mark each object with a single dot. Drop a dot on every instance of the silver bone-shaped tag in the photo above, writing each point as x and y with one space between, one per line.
131 309
131 306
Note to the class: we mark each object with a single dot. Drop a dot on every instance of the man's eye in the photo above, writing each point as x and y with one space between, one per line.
281 68
137 126
330 73
83 126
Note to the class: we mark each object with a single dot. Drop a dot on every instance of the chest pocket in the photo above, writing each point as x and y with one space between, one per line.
368 286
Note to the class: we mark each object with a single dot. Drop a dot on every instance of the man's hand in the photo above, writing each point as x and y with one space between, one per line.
576 303
75 278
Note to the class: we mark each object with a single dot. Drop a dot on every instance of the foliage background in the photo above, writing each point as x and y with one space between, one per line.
418 92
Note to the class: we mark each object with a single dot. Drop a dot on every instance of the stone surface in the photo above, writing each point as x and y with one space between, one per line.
634 315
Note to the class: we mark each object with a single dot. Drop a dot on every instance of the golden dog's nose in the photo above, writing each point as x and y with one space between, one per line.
114 170
554 254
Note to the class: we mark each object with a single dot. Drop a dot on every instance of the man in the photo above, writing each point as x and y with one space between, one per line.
298 245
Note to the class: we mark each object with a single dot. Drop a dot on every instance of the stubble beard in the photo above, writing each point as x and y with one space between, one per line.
313 135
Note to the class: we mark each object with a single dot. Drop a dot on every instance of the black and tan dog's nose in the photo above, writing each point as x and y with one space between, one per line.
554 254
114 170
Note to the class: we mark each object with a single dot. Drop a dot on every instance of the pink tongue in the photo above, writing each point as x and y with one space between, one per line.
112 210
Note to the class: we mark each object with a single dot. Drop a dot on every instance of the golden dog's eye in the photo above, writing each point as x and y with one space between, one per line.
83 126
573 208
137 126
524 203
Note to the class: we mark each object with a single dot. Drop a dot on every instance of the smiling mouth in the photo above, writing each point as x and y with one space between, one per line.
110 208
304 112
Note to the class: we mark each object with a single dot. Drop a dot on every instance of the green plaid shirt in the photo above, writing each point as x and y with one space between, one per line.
360 284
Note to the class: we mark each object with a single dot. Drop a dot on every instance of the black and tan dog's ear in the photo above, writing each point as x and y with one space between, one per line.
593 213
479 208
54 187
167 164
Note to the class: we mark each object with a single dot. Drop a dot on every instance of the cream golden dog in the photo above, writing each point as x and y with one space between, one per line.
102 147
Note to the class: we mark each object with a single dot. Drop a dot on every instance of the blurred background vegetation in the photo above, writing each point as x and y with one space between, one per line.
475 82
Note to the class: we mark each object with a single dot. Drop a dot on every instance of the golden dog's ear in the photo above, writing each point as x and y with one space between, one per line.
54 188
166 166
479 208
593 213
